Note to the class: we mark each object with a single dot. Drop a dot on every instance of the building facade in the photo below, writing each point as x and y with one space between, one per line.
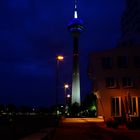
116 77
116 72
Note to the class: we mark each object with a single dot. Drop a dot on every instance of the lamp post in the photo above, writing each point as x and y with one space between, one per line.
66 86
65 93
68 96
68 99
58 59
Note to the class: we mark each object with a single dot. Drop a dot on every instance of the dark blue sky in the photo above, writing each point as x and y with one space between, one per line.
33 32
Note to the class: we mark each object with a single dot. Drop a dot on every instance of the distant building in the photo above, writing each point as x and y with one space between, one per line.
116 77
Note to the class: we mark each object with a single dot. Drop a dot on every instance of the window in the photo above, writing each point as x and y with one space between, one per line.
107 62
127 82
122 61
137 61
110 82
134 105
116 106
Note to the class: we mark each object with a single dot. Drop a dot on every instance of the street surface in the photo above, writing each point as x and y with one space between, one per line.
92 129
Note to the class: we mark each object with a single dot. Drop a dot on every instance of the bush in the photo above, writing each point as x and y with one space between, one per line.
134 124
112 123
109 123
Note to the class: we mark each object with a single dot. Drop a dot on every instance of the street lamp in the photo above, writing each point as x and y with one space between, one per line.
65 94
58 59
68 99
68 96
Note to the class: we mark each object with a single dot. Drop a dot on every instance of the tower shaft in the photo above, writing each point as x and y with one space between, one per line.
76 75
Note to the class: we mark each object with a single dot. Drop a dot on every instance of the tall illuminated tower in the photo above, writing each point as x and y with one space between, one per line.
75 27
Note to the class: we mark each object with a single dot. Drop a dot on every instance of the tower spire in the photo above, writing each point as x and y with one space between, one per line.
75 9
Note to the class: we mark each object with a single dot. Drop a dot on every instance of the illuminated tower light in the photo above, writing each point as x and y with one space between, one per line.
75 27
75 10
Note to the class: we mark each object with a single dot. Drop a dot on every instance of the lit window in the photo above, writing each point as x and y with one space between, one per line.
127 82
133 106
116 106
110 82
122 61
107 62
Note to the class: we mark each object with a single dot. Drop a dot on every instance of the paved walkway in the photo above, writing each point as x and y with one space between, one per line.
46 133
84 129
92 129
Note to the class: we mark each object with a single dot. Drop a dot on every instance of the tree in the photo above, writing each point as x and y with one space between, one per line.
89 105
74 109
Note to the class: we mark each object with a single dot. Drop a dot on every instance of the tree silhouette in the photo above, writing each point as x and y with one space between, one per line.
74 109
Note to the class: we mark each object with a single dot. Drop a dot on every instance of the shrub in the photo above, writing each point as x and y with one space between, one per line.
134 124
112 123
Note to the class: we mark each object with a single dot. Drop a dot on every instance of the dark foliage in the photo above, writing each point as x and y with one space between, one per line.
74 110
133 124
112 123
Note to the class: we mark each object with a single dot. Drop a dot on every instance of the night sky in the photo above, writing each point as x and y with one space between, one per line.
34 32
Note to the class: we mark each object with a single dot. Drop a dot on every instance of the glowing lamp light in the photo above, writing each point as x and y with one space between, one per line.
68 96
93 107
66 86
60 57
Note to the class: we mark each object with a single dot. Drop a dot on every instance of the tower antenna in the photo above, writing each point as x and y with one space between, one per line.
75 9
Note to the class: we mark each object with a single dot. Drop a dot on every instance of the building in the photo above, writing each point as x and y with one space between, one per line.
116 76
76 27
116 72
